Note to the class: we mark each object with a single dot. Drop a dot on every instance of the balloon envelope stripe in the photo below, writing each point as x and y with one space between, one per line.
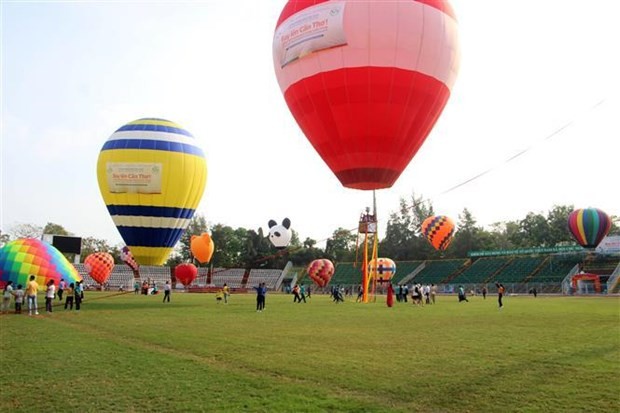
295 6
152 144
151 237
151 127
150 211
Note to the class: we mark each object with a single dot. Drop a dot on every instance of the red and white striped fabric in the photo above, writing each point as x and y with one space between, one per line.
368 102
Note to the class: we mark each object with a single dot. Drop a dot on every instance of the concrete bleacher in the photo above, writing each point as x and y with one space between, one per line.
233 277
269 277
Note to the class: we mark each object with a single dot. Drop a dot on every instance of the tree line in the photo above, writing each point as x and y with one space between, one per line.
403 240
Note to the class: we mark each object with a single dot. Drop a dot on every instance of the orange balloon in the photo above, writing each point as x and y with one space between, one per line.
385 268
99 266
439 231
202 247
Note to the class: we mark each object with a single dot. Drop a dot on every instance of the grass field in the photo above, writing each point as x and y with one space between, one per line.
131 353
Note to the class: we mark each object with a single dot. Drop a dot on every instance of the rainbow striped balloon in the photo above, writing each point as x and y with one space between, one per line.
589 226
28 256
152 175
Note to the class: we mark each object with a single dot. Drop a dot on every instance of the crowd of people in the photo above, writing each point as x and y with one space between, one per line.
73 294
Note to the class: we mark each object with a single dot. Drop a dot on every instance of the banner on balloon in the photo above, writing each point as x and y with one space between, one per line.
141 178
310 30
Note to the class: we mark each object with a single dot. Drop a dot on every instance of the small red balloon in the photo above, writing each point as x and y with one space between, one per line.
185 273
321 271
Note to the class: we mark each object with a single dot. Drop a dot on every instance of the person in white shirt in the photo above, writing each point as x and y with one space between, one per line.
167 291
50 293
6 296
61 288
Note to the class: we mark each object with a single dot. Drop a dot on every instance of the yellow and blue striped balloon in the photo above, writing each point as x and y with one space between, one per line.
152 175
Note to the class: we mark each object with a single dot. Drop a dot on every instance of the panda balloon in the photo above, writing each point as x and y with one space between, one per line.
280 235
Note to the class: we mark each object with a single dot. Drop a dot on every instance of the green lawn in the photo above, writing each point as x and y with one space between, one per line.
135 354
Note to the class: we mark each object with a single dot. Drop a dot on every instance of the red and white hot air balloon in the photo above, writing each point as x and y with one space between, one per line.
366 80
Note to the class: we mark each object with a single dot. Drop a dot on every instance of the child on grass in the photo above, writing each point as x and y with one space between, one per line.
69 299
19 298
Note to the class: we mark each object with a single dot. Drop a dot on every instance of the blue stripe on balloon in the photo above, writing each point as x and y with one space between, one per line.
150 237
151 211
155 128
153 145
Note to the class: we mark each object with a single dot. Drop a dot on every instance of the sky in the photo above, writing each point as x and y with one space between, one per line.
541 76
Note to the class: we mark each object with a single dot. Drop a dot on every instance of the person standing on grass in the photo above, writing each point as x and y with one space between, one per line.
167 289
484 292
61 288
261 291
264 295
32 288
6 296
390 295
433 292
302 293
500 294
19 299
462 296
296 298
69 299
50 293
77 293
226 291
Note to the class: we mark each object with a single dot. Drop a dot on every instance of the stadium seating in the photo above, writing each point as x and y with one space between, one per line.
346 273
555 268
231 276
481 270
404 268
269 277
436 271
518 269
